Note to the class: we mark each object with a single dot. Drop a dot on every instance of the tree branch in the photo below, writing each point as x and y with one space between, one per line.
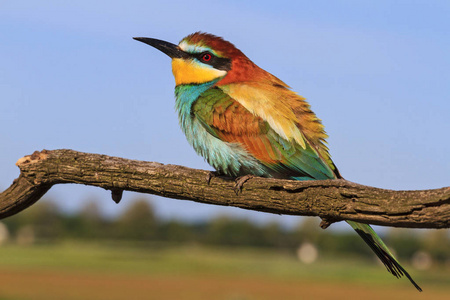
332 200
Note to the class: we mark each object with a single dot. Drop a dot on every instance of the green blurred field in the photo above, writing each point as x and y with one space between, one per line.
116 271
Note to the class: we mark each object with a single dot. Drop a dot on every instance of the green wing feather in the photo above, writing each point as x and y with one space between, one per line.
226 119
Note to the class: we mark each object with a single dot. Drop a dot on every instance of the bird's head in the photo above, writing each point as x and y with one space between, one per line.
202 57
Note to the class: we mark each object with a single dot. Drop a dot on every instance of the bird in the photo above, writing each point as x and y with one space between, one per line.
244 121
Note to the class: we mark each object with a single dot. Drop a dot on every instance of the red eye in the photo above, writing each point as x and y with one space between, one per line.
206 57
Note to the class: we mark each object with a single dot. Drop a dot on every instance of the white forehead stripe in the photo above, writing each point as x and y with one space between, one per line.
194 48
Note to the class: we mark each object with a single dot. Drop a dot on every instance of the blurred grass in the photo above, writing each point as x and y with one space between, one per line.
193 269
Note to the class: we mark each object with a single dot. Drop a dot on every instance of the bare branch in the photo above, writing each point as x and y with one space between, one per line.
332 200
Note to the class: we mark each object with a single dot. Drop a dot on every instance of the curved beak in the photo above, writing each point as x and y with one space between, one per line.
172 50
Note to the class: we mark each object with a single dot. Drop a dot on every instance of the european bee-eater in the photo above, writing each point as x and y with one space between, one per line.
245 121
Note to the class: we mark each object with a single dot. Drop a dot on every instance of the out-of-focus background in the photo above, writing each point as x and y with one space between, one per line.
376 73
46 253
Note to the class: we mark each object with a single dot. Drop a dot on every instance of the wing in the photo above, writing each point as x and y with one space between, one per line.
229 121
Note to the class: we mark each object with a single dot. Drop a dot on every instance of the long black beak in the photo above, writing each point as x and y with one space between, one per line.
170 49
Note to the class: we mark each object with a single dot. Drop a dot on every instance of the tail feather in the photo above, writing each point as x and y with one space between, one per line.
381 250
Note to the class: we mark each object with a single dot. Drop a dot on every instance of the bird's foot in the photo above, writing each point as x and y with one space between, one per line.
211 175
240 183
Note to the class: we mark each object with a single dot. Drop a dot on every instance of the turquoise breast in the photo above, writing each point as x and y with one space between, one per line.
227 158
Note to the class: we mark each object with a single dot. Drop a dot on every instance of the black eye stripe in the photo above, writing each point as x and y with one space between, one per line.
216 62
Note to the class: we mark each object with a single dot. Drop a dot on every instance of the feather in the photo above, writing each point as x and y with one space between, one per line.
244 120
229 121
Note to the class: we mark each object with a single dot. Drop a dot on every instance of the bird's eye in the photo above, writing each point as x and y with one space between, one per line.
206 57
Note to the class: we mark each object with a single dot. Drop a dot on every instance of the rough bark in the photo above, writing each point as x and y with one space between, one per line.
332 200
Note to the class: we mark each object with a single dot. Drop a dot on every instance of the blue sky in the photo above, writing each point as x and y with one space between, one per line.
376 72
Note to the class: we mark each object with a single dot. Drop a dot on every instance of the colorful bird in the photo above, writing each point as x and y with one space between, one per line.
245 121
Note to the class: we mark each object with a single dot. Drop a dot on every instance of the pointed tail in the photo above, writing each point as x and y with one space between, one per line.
381 250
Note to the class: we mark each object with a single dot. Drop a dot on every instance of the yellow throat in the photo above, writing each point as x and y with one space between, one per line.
190 71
